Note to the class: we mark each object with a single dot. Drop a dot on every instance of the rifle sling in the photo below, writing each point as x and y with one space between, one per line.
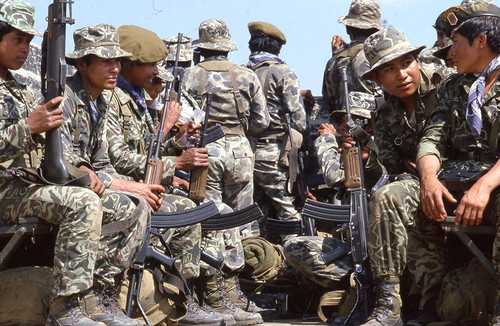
173 281
232 220
495 128
79 177
294 168
364 139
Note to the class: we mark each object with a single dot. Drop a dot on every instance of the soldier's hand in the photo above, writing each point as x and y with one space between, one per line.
192 158
337 42
432 192
173 112
308 98
43 119
410 167
95 183
152 193
327 129
471 208
191 129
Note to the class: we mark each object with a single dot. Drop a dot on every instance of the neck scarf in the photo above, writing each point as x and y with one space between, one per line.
135 93
257 57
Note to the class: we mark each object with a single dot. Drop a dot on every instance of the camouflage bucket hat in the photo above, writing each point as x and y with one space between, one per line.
214 35
164 74
186 49
363 14
385 46
454 16
100 40
360 104
20 15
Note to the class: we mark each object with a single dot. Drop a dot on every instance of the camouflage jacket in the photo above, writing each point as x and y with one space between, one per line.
447 134
126 133
353 58
253 118
283 96
18 148
83 139
395 136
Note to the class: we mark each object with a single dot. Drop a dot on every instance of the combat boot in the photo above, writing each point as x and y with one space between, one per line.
234 293
228 319
197 316
217 298
66 311
425 316
101 304
387 310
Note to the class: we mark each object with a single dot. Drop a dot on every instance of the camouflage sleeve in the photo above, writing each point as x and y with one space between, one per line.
101 161
328 96
259 115
15 139
388 154
292 100
329 159
126 161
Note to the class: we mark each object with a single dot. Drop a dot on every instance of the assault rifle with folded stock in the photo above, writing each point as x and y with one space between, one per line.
53 72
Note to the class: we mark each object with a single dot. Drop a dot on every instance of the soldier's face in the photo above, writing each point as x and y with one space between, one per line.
464 54
102 73
400 77
14 49
143 73
155 87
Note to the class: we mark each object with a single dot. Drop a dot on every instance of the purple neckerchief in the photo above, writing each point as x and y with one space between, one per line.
257 57
136 94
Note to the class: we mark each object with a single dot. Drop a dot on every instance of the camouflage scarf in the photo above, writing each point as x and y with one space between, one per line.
476 98
136 94
257 57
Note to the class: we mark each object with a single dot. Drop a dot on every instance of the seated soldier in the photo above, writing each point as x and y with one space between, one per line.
85 261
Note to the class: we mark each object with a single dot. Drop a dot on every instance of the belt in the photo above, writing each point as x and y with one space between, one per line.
270 141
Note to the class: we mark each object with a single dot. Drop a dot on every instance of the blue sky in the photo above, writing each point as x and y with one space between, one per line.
307 25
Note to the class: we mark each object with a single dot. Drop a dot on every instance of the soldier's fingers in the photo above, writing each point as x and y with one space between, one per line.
479 216
466 216
54 102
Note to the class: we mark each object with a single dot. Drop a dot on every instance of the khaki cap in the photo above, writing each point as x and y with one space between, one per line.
256 28
145 45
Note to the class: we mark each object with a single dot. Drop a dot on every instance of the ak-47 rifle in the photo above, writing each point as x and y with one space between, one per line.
358 212
154 168
53 71
198 181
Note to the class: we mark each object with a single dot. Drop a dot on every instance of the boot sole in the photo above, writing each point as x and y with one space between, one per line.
221 323
250 322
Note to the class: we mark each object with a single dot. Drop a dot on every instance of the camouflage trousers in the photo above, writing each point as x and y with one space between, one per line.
305 255
399 234
186 241
80 252
229 184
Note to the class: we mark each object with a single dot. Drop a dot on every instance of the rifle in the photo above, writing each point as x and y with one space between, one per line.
198 181
298 179
154 167
53 72
358 211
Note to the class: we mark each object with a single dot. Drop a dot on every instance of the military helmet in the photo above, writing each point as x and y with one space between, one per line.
20 15
363 14
386 45
256 28
454 16
360 104
100 40
145 45
186 48
214 35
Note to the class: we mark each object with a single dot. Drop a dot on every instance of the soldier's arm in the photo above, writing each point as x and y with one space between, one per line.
292 100
329 159
259 118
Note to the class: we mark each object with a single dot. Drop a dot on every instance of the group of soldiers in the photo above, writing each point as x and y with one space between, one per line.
426 111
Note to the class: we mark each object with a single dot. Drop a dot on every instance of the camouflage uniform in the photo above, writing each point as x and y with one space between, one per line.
282 91
363 14
239 111
397 230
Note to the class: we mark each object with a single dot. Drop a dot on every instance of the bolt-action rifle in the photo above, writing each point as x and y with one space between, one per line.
53 72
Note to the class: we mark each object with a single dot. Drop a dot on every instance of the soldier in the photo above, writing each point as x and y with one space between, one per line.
84 259
238 105
463 131
362 20
282 92
392 236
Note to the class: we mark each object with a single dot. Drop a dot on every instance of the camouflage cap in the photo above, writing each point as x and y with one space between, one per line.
214 35
186 48
360 104
164 74
256 28
100 40
454 16
363 14
387 45
443 52
145 45
20 15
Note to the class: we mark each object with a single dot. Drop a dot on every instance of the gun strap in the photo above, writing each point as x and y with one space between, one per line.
79 177
265 82
237 96
117 226
495 128
364 139
172 287
232 220
294 166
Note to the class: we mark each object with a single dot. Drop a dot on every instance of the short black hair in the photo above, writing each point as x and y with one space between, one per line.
264 43
5 29
486 25
211 53
359 32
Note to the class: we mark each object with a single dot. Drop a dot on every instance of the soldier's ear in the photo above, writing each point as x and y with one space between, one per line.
376 78
80 64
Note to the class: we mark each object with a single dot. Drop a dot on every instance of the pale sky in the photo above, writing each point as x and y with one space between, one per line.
307 25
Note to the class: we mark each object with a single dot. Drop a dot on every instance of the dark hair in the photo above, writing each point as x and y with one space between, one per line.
211 53
358 32
5 29
486 25
264 43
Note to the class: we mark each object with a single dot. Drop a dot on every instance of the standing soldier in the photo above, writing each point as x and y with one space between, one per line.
238 105
282 93
362 20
